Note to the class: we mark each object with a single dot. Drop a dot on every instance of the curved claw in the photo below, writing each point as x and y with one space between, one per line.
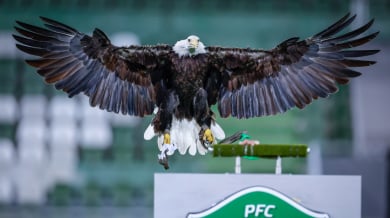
207 138
167 149
163 160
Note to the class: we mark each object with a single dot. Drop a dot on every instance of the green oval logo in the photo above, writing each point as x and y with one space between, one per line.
258 202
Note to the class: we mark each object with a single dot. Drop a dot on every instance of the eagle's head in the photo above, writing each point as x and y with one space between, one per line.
190 46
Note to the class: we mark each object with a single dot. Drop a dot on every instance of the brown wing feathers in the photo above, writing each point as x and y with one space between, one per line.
295 72
254 82
75 62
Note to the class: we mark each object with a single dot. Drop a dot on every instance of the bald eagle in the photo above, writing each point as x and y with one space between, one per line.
180 83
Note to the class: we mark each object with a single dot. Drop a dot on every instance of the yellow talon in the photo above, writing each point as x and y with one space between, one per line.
208 136
167 139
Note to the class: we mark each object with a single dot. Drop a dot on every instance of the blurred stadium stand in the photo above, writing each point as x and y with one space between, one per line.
61 158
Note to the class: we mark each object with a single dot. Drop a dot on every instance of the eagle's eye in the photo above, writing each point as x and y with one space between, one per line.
189 40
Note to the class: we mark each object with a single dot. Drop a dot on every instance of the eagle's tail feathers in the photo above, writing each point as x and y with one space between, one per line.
178 134
185 135
160 141
217 131
201 148
190 134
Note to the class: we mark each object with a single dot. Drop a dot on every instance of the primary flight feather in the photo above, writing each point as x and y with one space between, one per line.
184 80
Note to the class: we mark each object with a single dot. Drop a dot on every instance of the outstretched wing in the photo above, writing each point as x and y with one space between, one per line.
265 82
117 79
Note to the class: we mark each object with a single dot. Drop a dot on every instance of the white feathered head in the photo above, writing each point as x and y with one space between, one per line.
190 46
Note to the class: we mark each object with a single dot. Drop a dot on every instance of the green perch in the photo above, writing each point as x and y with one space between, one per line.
225 148
261 150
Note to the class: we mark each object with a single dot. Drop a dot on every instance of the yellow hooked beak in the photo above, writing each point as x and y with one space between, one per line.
193 44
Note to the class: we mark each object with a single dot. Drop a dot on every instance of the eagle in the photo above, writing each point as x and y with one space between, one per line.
180 83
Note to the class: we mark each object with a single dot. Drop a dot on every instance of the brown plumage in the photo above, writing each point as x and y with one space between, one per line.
244 83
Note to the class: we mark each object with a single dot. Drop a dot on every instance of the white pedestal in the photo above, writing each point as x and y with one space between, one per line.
176 195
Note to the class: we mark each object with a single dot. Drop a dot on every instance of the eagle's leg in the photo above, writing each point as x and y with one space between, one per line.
163 123
203 116
167 148
167 137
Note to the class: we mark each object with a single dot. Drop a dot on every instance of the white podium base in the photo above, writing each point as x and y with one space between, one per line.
176 195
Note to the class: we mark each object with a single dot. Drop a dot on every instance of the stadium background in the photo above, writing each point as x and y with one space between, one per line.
61 158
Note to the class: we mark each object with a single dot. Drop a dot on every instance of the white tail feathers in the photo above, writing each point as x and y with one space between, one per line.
217 131
185 135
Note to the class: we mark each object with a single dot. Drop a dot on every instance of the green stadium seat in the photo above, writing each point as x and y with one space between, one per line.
7 130
122 194
91 194
8 76
32 82
122 136
123 155
60 195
